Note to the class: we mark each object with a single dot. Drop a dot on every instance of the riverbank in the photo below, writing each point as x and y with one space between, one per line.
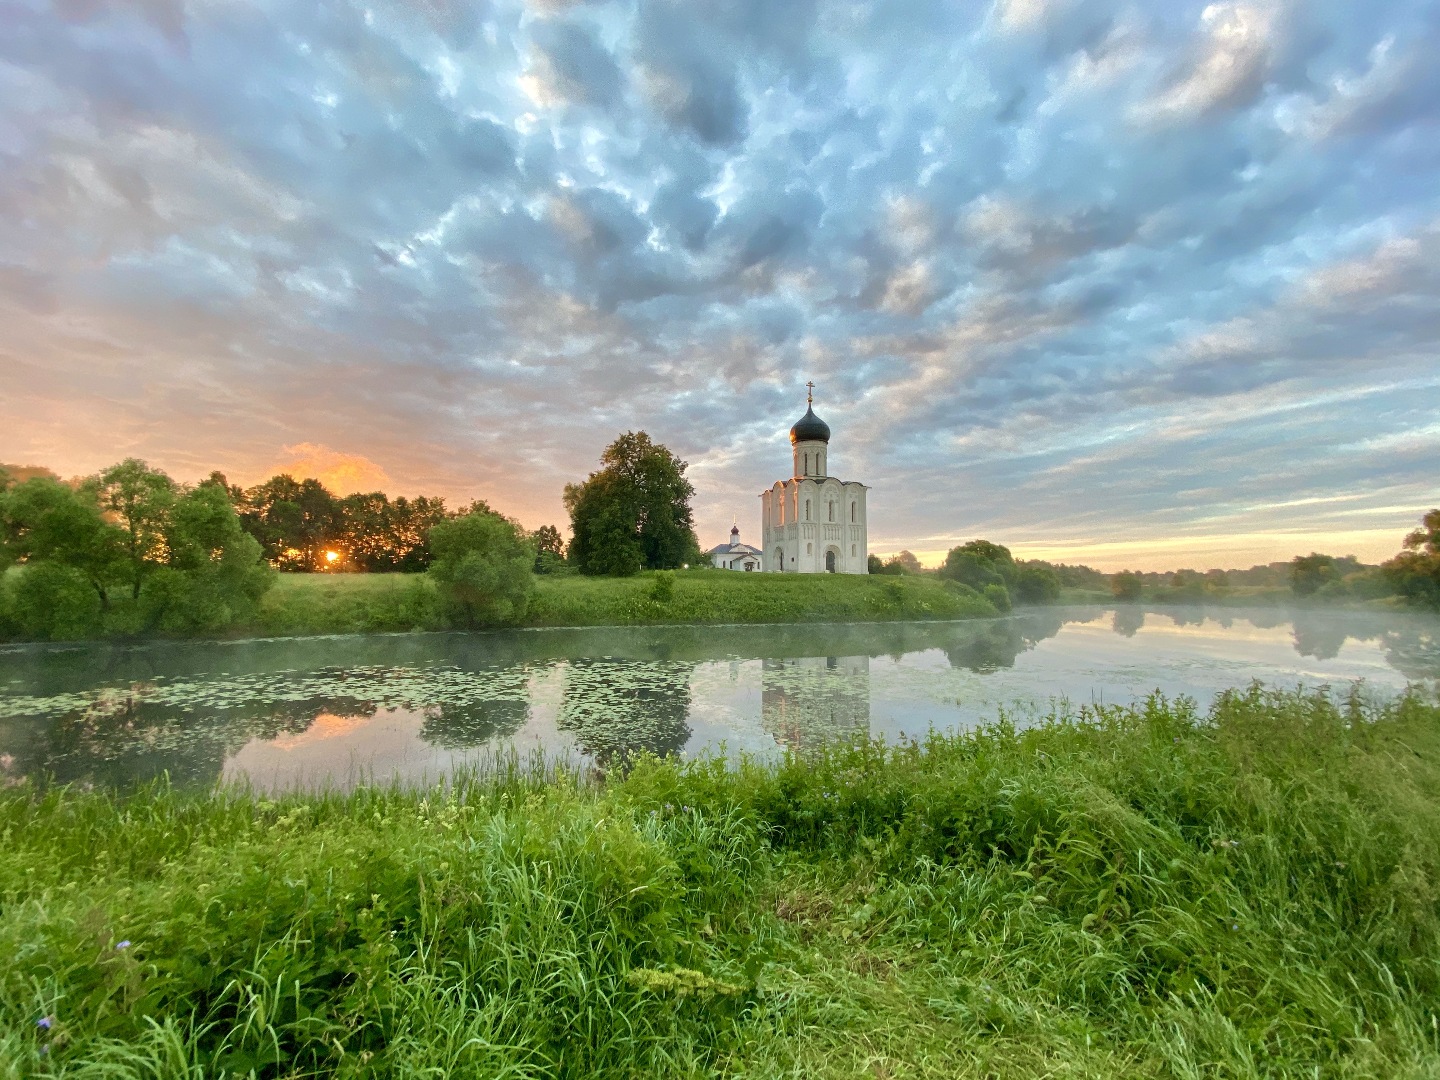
357 603
1145 892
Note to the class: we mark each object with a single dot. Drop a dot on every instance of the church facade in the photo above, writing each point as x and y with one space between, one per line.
814 523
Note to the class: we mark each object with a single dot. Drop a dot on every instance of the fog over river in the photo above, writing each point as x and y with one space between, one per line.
314 712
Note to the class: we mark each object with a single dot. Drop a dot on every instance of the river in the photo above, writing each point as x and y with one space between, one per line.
316 712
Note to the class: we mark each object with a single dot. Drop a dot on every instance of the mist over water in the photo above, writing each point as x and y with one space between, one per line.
316 712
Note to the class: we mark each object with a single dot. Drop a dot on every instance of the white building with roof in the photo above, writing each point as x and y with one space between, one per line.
814 523
735 555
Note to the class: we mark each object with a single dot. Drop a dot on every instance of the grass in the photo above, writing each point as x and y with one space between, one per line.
357 603
1149 892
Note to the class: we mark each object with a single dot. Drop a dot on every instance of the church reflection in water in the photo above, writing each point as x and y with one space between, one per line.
809 700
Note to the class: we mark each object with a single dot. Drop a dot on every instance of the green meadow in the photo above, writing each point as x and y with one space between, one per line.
354 603
1245 891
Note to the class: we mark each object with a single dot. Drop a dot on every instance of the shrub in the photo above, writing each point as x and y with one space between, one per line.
1126 586
482 567
1037 585
50 602
999 597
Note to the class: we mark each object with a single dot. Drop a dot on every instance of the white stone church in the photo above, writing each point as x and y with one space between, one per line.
814 523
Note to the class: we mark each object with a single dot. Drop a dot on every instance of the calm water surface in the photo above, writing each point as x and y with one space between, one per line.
332 711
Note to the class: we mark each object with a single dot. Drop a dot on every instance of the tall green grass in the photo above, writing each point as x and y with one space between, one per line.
1253 890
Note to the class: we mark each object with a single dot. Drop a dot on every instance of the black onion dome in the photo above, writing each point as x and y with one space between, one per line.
810 428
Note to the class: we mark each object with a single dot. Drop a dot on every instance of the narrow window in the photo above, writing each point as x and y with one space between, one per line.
809 549
852 513
807 509
807 464
830 507
852 551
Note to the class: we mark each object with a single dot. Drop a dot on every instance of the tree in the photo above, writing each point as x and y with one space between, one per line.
549 549
980 563
294 520
1309 572
874 565
1037 585
904 562
214 573
1415 572
634 512
482 565
139 499
1127 586
47 521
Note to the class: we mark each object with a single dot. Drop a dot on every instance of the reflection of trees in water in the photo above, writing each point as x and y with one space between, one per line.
464 725
618 708
188 727
1128 621
122 739
810 700
1321 639
994 644
1413 650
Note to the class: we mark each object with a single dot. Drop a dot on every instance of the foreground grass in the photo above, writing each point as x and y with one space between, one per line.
1146 892
357 603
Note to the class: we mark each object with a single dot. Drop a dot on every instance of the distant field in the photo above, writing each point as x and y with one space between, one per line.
358 603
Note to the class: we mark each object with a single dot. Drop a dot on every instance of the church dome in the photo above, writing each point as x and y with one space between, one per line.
810 428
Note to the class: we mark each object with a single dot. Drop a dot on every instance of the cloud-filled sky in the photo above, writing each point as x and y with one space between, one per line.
1147 284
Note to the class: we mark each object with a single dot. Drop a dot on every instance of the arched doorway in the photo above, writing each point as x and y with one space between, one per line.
779 560
830 560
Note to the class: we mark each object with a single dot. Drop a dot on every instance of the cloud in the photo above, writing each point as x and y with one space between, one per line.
1229 68
343 474
1066 272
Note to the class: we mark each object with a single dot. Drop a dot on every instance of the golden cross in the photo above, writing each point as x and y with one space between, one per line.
810 396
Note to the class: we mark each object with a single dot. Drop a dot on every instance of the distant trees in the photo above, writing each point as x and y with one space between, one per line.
482 565
1415 572
300 524
549 550
634 512
1126 586
1037 585
902 562
175 555
1309 572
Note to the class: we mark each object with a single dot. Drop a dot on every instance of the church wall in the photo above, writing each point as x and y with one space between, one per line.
802 538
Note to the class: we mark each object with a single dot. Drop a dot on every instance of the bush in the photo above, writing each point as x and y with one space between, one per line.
662 589
1037 585
1126 586
999 597
482 569
49 602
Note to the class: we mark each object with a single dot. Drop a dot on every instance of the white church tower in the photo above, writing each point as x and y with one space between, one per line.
813 523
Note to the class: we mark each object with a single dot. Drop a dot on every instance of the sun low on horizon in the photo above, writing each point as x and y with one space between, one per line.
1141 286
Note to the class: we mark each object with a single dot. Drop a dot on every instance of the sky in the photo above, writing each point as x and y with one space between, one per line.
1142 285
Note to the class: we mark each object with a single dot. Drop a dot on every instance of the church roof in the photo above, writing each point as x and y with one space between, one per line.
810 428
733 549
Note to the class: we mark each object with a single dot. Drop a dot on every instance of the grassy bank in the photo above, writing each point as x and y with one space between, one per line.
1141 892
351 603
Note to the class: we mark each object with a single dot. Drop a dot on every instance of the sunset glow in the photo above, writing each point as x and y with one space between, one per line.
1139 285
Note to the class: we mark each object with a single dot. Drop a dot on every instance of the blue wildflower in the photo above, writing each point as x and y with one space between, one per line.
124 944
44 1023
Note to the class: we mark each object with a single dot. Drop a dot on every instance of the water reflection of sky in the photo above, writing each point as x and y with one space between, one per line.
414 707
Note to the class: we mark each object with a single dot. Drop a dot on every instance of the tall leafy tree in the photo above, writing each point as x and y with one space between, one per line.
294 520
634 512
138 499
214 571
1415 572
45 521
